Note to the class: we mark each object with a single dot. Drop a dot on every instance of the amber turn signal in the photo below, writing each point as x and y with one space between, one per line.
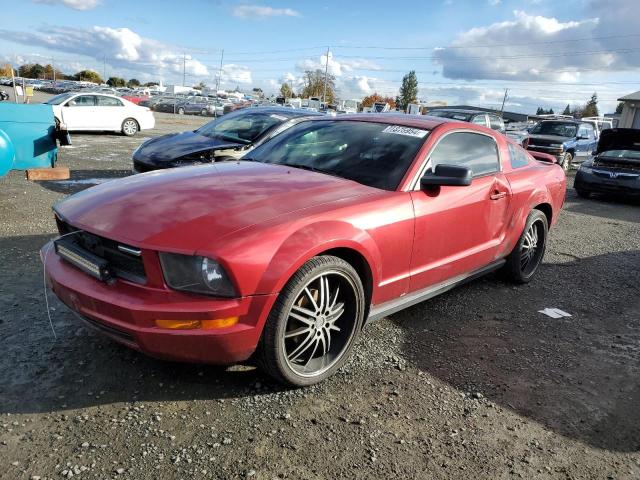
195 324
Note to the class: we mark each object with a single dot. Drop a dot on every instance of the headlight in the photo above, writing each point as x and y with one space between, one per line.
196 274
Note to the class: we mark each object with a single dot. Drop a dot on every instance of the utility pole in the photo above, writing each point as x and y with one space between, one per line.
104 68
326 69
219 79
504 99
53 67
184 68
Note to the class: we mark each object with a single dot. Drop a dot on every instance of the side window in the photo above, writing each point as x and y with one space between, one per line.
109 102
83 101
473 150
479 120
496 123
591 133
517 156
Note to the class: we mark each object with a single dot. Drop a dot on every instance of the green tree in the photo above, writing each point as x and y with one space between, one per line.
591 108
116 82
200 86
619 107
88 76
567 110
31 70
133 83
286 91
314 85
408 90
151 84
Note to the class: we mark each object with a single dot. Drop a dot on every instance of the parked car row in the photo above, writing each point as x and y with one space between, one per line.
298 230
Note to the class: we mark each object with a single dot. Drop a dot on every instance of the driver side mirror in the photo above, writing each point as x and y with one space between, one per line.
447 176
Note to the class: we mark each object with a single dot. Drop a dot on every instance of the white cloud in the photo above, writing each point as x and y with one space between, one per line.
257 11
493 3
122 47
534 47
74 4
233 74
526 48
336 67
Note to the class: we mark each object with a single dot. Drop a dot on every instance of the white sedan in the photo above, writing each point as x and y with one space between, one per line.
97 111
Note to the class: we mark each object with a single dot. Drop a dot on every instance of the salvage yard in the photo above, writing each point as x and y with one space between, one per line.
472 384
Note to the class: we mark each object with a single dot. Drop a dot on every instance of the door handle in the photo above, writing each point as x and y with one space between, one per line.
497 195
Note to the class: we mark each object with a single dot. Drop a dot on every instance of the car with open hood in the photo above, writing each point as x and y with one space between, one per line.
228 137
284 255
615 167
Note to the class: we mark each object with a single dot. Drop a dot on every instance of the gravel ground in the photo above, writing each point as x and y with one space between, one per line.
473 384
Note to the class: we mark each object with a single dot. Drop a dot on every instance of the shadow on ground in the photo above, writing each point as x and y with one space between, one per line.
577 376
83 179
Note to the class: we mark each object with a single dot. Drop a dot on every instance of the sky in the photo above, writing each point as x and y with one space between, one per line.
547 53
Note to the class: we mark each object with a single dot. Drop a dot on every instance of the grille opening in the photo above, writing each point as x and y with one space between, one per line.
127 266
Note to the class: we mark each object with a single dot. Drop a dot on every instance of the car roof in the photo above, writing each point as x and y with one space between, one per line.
461 110
284 111
404 120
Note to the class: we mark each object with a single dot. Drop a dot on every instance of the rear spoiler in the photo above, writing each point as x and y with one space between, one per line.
543 157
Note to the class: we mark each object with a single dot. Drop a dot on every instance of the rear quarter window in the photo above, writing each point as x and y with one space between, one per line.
517 156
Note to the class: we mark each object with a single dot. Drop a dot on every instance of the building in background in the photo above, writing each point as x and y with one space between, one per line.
630 116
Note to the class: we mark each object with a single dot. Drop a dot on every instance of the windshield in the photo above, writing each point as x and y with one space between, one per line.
58 99
243 128
630 154
465 117
373 154
560 129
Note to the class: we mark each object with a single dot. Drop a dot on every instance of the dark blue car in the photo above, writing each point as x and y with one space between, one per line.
226 138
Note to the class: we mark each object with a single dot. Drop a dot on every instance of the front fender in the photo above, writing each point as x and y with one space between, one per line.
312 240
7 153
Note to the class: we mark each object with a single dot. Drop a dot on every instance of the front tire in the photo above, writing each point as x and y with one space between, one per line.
526 257
566 161
180 111
130 127
314 323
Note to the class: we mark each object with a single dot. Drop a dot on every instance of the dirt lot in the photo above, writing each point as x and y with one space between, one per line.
474 384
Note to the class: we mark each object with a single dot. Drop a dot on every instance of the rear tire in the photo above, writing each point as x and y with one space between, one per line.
130 127
314 323
180 111
526 257
566 161
203 112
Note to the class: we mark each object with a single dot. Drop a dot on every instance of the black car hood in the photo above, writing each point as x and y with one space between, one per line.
619 139
549 138
176 145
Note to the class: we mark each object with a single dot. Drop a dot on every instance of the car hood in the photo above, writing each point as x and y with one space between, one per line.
183 209
549 138
619 139
176 145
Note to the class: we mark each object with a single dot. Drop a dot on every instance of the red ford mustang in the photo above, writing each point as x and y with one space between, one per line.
285 255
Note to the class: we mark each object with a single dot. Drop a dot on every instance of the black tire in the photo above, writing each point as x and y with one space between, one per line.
203 112
583 193
516 269
180 111
566 161
281 345
130 127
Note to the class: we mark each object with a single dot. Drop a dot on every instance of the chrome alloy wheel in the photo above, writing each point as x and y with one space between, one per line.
130 127
530 253
320 323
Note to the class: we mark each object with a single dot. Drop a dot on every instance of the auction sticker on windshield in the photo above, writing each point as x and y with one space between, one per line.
411 132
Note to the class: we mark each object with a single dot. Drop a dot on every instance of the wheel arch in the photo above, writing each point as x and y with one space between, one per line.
547 209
